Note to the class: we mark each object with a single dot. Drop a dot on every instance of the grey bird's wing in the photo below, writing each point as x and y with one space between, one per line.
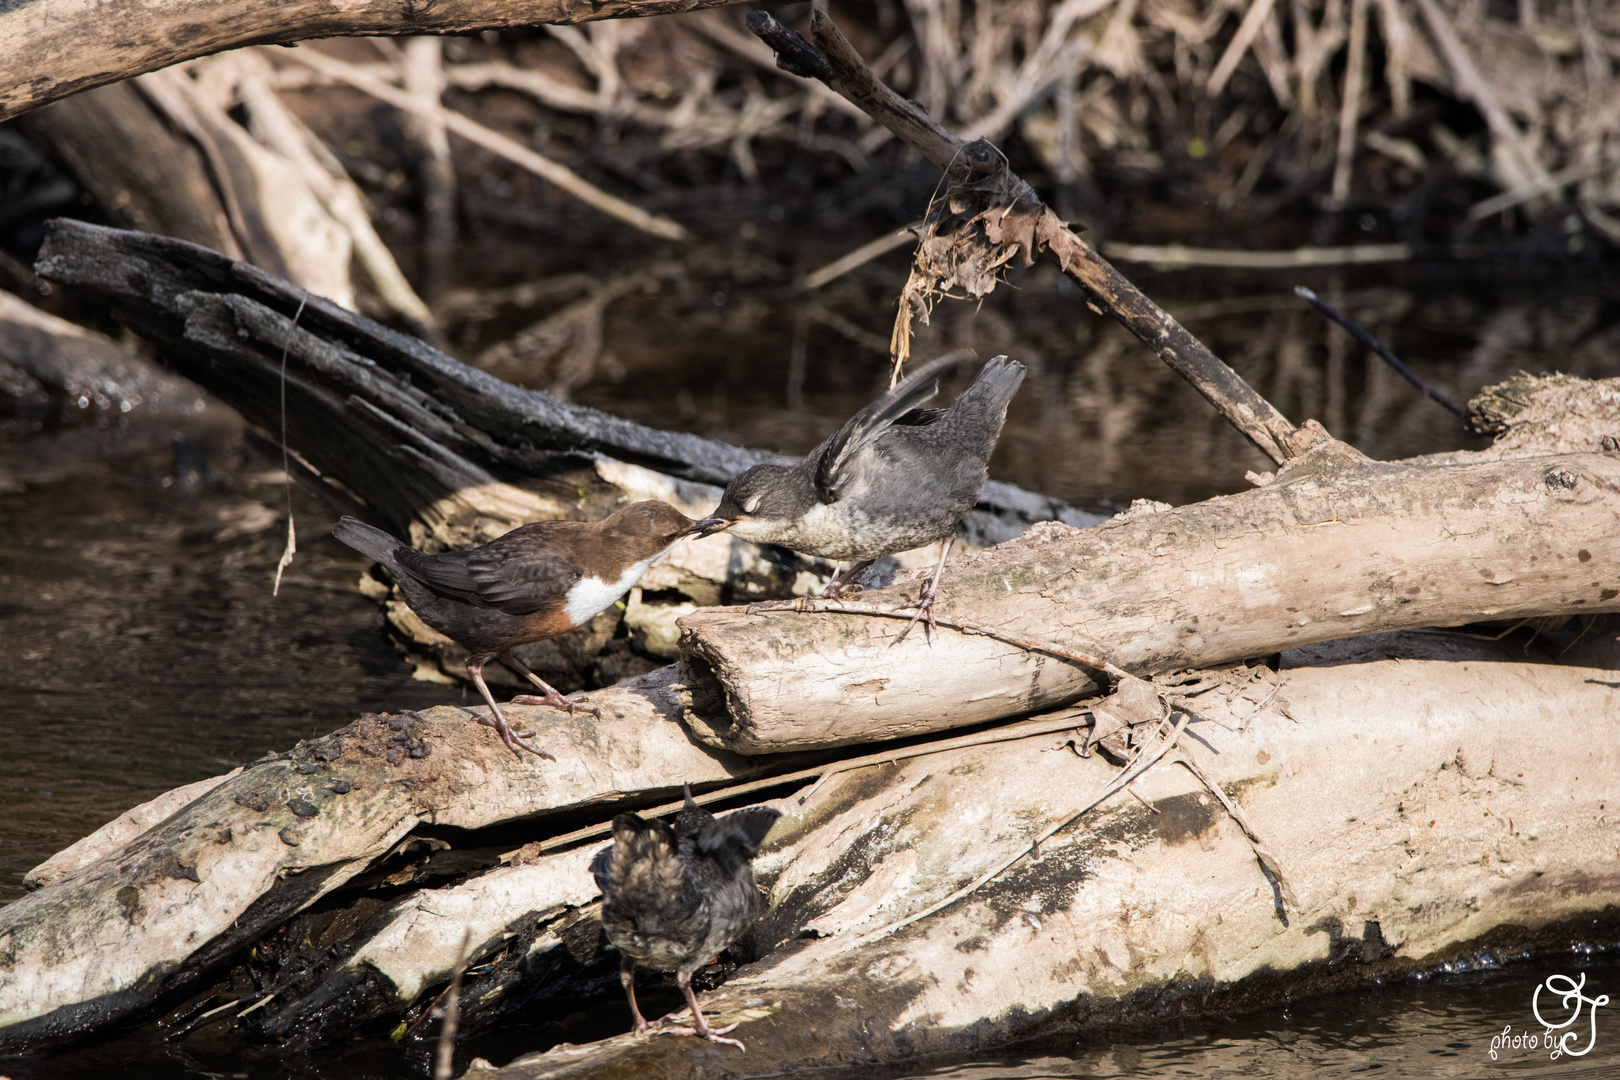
894 407
513 574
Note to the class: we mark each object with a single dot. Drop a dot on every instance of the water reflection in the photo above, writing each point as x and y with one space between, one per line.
140 647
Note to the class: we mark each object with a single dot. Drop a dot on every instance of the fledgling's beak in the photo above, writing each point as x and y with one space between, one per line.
711 525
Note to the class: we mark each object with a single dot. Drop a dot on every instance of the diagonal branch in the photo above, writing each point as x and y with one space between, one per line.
1030 225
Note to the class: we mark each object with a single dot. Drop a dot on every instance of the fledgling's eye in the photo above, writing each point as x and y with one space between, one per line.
751 505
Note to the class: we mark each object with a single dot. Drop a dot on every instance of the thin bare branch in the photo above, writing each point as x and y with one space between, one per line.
494 142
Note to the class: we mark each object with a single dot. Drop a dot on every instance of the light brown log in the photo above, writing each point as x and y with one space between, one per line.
1335 546
58 47
1424 793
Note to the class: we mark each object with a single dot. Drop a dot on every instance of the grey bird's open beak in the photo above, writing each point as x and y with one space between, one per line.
710 525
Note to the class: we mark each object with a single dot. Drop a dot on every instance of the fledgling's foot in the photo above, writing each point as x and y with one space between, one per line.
714 1035
557 701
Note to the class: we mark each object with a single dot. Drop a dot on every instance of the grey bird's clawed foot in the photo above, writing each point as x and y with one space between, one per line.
514 742
924 608
557 701
925 603
845 582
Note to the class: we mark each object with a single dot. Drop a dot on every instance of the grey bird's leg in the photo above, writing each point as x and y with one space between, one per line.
925 603
552 698
627 978
514 742
700 1027
838 585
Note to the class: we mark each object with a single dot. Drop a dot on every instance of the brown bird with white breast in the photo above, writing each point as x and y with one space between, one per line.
537 582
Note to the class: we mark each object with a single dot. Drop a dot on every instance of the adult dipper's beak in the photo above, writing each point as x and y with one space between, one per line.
710 525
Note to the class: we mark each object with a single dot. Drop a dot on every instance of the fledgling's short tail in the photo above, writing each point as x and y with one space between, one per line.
643 860
368 540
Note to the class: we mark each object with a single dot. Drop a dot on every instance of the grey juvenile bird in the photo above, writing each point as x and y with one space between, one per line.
536 582
895 477
672 898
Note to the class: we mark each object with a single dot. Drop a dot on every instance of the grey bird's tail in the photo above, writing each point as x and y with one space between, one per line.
992 388
370 541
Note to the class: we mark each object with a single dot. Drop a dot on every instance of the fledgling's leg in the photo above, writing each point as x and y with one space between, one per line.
627 978
514 743
552 698
925 603
700 1027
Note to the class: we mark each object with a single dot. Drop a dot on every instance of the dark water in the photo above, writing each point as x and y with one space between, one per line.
141 648
1439 1026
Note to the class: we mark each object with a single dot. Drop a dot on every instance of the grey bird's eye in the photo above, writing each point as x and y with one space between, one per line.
751 505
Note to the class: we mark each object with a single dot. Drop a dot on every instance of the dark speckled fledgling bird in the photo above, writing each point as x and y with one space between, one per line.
673 898
536 582
895 477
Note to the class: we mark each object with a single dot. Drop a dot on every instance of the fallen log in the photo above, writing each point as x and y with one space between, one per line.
59 47
166 907
1422 791
1334 546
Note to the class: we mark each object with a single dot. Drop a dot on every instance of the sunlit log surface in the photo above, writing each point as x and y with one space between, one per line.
1425 794
1335 546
